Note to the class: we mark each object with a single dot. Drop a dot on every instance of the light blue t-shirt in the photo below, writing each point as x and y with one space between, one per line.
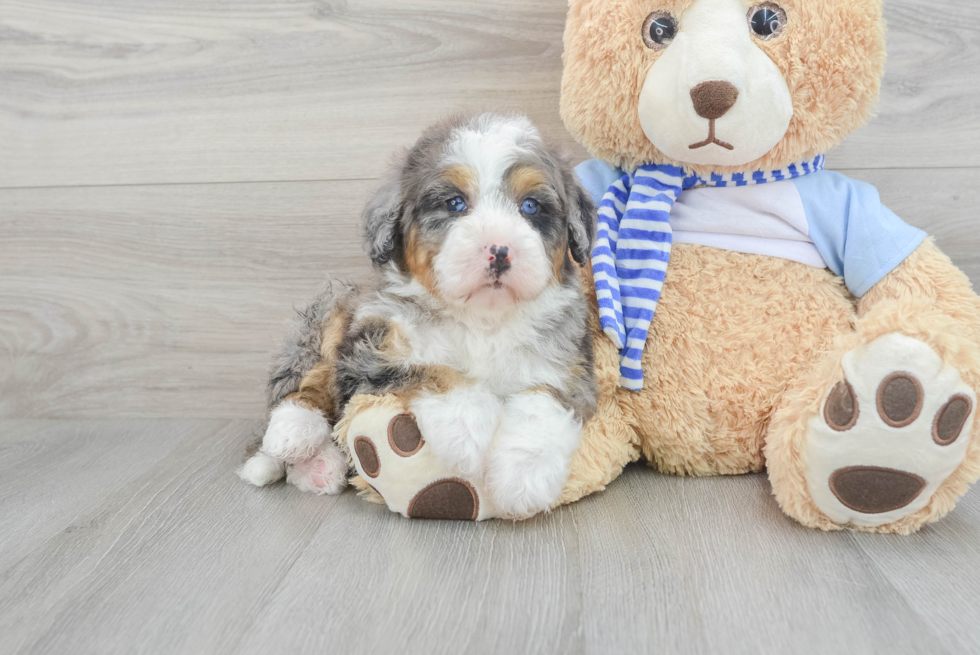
821 219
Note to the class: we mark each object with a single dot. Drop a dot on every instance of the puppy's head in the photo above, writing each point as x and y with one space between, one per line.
482 214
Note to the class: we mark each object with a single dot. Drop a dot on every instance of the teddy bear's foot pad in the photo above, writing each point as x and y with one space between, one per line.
395 460
889 434
450 499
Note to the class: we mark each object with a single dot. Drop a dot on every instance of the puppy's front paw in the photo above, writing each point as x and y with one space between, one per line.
458 426
326 473
295 433
529 463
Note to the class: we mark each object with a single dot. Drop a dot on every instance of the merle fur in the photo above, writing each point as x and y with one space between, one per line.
362 366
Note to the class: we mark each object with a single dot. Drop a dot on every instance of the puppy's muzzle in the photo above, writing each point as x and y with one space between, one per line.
499 258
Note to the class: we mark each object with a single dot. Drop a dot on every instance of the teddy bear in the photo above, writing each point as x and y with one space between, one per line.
752 310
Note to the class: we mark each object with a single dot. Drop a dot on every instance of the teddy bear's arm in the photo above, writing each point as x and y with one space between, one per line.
927 277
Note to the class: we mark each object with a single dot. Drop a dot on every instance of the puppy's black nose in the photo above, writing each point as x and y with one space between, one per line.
499 259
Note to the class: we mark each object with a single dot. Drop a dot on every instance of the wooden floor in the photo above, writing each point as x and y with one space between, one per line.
176 176
135 536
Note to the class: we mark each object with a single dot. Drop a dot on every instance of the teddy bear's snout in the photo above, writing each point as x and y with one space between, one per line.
712 100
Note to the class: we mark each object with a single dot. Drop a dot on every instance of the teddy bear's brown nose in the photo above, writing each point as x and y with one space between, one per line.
712 100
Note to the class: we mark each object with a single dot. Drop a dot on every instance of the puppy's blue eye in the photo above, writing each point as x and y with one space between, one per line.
530 207
456 205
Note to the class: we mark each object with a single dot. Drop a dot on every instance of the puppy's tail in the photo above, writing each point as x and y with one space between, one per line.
301 347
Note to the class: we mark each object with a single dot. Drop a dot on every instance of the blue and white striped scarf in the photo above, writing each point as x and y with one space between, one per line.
633 248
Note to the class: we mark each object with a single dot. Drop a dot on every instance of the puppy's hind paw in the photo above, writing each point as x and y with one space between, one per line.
326 473
295 433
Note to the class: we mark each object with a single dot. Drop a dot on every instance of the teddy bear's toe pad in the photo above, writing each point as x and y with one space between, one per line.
390 452
889 434
451 499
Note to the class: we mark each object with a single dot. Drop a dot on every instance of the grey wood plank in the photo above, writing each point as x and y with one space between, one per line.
426 587
281 233
177 561
949 211
132 92
171 299
52 472
711 565
183 557
141 91
168 300
935 568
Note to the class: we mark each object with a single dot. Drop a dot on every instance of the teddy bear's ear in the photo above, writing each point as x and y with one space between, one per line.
581 222
380 220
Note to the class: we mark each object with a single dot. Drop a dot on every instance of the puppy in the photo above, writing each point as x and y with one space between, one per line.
477 320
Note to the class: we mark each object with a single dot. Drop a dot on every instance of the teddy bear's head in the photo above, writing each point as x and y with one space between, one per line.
719 85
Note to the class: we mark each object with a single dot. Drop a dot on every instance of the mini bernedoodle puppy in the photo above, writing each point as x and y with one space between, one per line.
477 320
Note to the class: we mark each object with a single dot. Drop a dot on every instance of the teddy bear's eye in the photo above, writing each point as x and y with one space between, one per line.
659 29
767 21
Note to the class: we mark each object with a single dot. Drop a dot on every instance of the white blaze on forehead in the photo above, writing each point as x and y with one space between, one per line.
489 146
715 44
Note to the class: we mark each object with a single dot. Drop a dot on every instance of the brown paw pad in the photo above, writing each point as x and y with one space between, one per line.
841 410
900 399
404 436
367 456
450 499
875 490
950 419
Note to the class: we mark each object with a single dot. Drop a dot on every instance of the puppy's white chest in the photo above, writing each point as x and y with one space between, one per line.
502 361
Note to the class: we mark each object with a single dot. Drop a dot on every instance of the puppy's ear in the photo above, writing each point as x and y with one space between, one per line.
380 220
581 222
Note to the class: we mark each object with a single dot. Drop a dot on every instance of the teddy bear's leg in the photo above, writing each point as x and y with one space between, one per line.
396 464
881 435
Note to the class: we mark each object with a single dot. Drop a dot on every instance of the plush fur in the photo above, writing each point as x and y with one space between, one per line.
832 57
477 322
745 350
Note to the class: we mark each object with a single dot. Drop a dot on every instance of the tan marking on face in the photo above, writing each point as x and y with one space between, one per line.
524 181
419 261
558 258
463 178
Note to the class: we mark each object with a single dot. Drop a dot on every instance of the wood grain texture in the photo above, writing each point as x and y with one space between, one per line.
175 177
150 91
51 472
180 556
169 300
